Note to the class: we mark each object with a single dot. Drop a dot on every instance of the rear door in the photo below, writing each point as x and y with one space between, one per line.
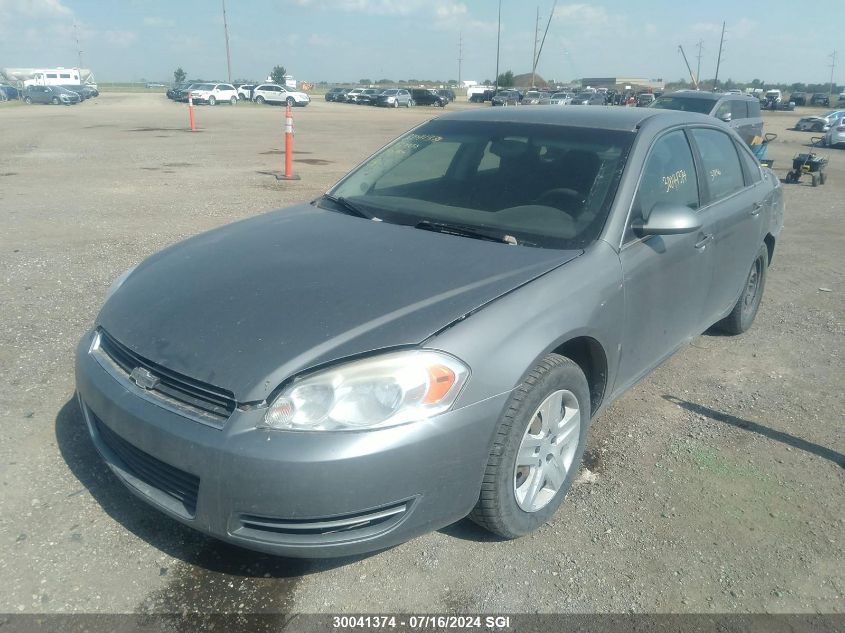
666 278
732 197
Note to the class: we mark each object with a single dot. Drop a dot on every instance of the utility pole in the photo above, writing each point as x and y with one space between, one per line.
226 32
719 58
460 56
700 46
832 66
534 55
545 33
693 77
78 48
498 40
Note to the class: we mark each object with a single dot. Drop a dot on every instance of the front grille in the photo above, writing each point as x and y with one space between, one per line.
174 483
209 403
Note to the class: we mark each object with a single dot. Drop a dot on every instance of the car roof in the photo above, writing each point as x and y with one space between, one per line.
606 118
706 96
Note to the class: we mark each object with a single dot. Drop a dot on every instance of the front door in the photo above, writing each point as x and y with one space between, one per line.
665 277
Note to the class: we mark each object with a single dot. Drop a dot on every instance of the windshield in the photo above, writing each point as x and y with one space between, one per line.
686 104
560 95
543 185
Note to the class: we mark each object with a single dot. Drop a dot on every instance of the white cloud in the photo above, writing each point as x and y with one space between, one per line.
120 39
158 22
377 7
742 28
17 9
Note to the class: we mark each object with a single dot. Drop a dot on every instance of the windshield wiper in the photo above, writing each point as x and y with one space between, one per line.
467 231
347 207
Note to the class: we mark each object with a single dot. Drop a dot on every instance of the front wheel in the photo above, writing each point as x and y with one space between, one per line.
233 100
55 101
537 449
259 100
743 313
27 100
290 101
212 101
817 127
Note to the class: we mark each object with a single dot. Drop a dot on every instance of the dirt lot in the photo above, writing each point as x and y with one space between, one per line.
717 483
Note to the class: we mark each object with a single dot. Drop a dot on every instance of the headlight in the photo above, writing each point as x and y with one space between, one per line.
378 392
117 283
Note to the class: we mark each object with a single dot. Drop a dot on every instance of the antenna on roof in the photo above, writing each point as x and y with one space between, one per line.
693 77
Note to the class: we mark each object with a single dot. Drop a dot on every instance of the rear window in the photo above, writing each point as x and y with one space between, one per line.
685 104
722 168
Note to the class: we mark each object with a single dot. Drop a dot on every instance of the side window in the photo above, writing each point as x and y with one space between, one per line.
721 162
668 177
739 110
723 110
754 108
750 166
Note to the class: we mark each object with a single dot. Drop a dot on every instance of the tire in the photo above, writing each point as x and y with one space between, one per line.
817 127
233 101
411 102
789 177
55 101
506 507
396 104
814 180
408 103
822 178
259 99
743 313
212 101
27 100
290 101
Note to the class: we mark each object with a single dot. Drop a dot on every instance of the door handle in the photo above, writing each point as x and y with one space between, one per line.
755 209
704 241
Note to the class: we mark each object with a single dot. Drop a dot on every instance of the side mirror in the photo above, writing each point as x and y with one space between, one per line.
726 117
668 219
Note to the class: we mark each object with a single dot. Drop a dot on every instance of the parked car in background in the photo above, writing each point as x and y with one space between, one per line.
245 91
152 84
181 94
820 99
741 112
645 99
818 122
588 98
532 97
337 94
798 98
50 94
83 91
835 136
427 96
481 97
368 96
448 93
557 98
8 92
393 98
174 90
526 270
352 95
506 98
274 93
212 94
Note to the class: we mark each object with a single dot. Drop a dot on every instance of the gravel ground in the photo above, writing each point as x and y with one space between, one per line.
716 485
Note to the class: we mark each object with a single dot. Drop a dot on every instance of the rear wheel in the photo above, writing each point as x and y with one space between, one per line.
743 313
233 100
290 101
537 450
259 99
817 127
822 178
814 180
27 100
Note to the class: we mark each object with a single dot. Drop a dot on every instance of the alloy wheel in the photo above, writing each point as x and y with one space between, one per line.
547 451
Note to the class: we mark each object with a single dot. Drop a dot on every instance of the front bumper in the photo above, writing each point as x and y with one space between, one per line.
302 494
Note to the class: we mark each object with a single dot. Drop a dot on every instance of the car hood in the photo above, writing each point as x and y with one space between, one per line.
248 305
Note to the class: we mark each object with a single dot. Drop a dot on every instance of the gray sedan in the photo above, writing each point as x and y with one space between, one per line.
432 338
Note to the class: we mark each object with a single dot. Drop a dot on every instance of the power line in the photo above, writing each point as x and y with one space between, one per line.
534 54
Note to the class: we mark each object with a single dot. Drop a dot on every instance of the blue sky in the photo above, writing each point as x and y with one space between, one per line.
346 40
